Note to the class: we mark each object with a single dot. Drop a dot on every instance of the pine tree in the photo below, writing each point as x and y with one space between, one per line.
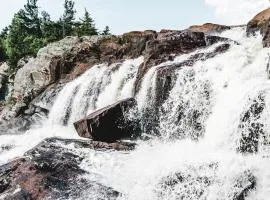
29 31
106 31
16 47
51 31
86 25
3 36
68 18
30 17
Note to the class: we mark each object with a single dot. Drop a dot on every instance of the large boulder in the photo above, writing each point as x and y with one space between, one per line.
108 124
261 23
50 171
51 63
258 22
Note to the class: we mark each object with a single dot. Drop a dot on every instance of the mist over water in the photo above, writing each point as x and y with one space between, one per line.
196 151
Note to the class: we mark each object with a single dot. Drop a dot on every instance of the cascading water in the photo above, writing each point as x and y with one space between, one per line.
203 149
77 99
98 87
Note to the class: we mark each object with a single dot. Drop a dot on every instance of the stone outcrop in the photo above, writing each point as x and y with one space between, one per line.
258 21
65 60
261 23
50 171
108 124
209 28
169 44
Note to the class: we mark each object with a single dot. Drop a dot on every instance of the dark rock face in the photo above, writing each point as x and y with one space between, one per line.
265 31
130 45
49 171
108 124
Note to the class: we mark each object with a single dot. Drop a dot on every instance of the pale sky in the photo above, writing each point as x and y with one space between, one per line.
128 15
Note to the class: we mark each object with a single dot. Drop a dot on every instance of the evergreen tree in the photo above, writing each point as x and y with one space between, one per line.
51 31
86 26
106 31
68 18
30 31
30 18
16 47
3 36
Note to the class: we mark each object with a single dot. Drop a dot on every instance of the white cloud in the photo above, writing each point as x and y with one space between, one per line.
237 11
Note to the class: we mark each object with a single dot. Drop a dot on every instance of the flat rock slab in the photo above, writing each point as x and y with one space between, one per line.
108 124
52 171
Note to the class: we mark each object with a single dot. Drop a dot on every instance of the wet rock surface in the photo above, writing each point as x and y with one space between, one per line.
165 80
251 128
258 22
51 171
261 23
170 44
165 74
108 124
192 185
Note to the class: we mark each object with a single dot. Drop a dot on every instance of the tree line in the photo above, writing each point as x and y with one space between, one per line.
32 29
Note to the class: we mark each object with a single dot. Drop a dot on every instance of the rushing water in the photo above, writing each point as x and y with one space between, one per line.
201 126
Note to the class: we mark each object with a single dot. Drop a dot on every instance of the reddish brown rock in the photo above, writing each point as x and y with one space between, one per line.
169 44
209 28
50 171
261 23
108 124
258 21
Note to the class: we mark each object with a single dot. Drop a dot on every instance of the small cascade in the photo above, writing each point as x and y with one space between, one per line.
100 86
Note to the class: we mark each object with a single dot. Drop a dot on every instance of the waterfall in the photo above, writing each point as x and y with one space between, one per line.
203 146
100 86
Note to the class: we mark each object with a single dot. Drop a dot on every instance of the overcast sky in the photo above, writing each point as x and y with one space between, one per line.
126 15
